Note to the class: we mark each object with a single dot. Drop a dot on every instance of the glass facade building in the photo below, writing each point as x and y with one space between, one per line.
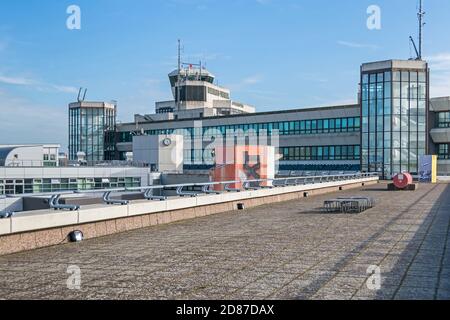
12 186
92 130
394 105
285 128
391 126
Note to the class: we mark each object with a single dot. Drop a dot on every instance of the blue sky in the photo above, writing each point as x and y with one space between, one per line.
273 54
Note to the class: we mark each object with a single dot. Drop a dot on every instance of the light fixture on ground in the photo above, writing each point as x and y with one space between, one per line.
76 236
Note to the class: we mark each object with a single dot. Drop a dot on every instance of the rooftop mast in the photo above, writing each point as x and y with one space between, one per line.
179 75
420 16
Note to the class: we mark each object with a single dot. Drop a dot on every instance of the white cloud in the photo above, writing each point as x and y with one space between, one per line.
246 82
440 62
41 86
338 102
34 118
14 80
439 74
357 45
254 79
64 89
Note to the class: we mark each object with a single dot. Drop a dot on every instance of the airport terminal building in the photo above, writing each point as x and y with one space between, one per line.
394 122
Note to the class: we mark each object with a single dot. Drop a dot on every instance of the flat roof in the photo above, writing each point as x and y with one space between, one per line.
294 251
345 106
93 104
394 64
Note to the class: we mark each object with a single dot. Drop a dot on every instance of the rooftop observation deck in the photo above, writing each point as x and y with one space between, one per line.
289 250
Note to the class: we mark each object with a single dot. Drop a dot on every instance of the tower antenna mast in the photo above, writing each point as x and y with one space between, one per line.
421 15
179 75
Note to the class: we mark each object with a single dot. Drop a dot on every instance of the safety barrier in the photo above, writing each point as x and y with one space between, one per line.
205 188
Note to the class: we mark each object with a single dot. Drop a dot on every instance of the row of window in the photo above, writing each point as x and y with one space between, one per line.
404 90
443 151
394 106
388 76
218 93
302 127
443 119
21 186
307 153
164 110
320 153
397 123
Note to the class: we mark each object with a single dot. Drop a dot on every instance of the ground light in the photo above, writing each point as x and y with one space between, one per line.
76 236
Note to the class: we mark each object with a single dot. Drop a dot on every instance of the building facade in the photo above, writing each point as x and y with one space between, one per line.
314 139
195 95
394 107
28 180
439 124
32 155
91 130
393 124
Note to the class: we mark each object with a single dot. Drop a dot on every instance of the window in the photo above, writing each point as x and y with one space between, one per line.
344 124
443 153
318 153
314 126
338 125
443 119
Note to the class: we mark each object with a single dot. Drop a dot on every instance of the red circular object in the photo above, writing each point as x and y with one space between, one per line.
402 180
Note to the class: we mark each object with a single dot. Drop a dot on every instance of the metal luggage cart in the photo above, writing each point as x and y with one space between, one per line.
348 204
368 202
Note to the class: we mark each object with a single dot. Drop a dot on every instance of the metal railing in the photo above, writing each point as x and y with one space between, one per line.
205 188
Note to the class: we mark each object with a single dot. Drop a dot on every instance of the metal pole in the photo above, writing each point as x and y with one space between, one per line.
421 24
179 75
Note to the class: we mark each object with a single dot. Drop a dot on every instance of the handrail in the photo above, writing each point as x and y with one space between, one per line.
229 189
205 188
107 199
247 185
182 193
54 204
6 214
148 194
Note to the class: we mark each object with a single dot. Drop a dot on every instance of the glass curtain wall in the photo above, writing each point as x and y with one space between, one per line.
393 110
91 130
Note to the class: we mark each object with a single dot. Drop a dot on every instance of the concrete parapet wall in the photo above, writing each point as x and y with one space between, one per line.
31 230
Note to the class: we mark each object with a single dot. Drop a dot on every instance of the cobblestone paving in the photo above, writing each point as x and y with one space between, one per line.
290 250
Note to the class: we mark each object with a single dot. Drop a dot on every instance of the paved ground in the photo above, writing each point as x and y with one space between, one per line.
283 251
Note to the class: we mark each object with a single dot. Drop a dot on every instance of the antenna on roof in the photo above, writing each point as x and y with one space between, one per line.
420 16
79 94
415 47
179 75
79 99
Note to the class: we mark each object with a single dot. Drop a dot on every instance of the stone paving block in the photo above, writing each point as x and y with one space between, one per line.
408 293
287 250
415 281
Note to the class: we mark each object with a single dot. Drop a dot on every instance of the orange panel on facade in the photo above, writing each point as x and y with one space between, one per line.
244 163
